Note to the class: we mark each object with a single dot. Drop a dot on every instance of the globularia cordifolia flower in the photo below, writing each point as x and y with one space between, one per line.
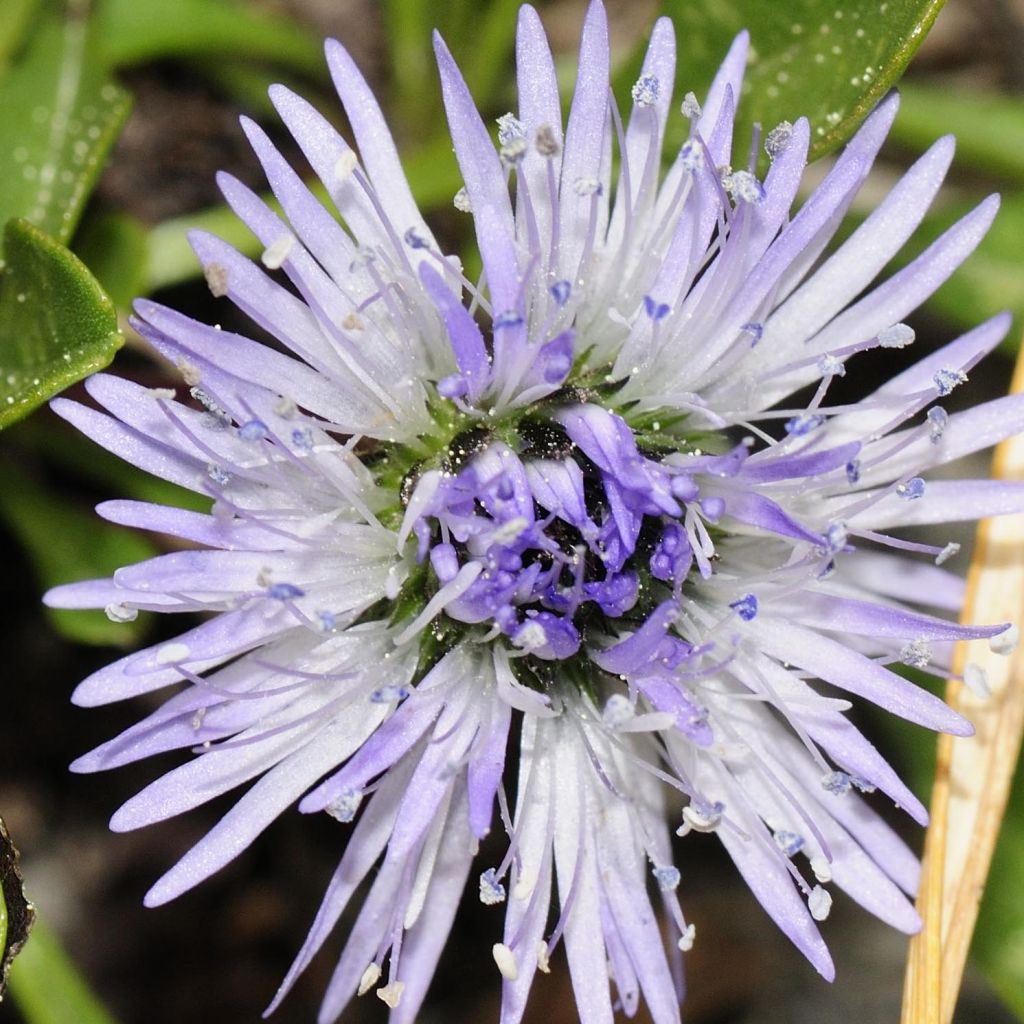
574 502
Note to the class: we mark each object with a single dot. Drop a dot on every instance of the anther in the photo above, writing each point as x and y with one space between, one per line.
777 141
896 336
505 960
645 91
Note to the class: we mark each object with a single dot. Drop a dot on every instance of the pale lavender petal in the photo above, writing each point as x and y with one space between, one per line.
845 668
376 145
945 501
262 804
484 182
584 137
466 339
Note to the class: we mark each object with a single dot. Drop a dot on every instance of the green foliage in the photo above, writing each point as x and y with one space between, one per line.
56 324
68 542
828 60
17 16
59 115
47 987
989 127
135 31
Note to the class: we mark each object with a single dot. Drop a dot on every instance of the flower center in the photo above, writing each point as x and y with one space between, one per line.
573 530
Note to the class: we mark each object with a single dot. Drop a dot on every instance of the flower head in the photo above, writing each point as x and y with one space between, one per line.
579 494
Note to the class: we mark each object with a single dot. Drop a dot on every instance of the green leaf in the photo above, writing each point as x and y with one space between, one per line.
56 324
135 31
488 53
48 988
991 280
989 128
827 60
113 246
408 25
67 542
59 116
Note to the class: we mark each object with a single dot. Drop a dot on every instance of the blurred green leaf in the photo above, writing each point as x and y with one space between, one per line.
246 84
59 115
989 128
47 987
67 542
77 458
408 25
999 936
56 324
135 31
487 63
828 61
992 279
113 246
17 15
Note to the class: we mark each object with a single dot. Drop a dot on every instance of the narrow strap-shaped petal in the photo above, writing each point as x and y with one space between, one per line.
376 144
484 182
945 501
425 941
211 531
264 802
332 160
539 107
761 866
486 767
765 467
364 848
846 273
909 287
865 618
585 138
728 80
575 857
972 430
845 668
314 226
467 341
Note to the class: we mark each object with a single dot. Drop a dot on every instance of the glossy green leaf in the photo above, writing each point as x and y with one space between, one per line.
59 116
67 542
135 31
989 128
828 60
56 324
48 988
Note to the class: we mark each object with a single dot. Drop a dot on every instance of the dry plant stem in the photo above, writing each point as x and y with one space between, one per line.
973 777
